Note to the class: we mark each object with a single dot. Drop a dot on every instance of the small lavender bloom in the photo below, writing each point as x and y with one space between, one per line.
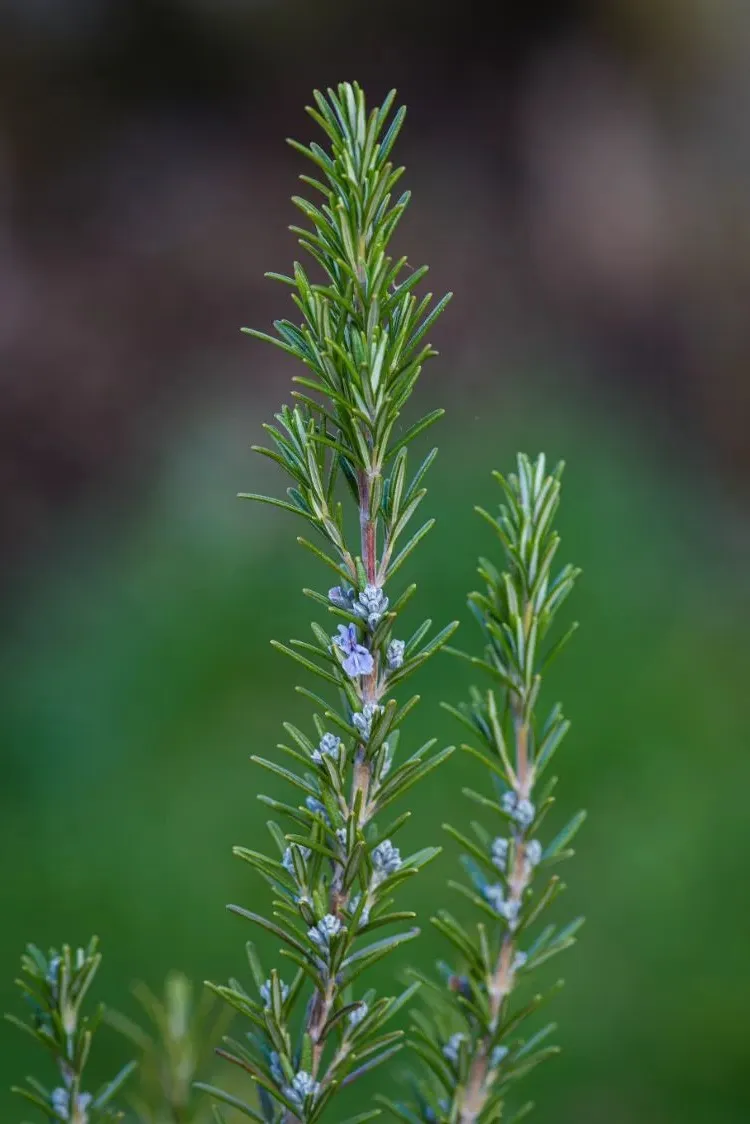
341 597
356 1016
288 862
277 1073
372 604
61 1099
395 655
303 1085
358 659
265 992
364 917
519 960
510 912
534 852
522 811
386 859
362 720
328 927
498 1055
508 908
495 895
329 745
317 806
452 1047
500 853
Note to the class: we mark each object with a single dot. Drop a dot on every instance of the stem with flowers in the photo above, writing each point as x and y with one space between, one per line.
55 985
469 1039
361 338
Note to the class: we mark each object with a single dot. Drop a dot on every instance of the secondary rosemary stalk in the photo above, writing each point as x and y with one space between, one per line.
173 1051
470 1044
55 986
361 339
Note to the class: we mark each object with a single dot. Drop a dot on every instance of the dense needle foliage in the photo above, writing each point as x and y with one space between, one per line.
335 864
472 1041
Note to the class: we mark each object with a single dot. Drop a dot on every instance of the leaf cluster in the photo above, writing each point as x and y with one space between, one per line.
471 1038
54 986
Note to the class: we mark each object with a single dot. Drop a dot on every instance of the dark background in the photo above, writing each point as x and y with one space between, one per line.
581 177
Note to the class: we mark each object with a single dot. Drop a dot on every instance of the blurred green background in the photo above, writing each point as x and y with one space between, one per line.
581 182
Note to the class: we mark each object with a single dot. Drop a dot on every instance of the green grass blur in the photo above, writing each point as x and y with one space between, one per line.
138 679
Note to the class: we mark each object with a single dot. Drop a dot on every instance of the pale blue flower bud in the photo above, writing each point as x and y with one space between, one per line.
452 1047
288 862
522 811
386 859
495 895
60 1101
374 604
395 654
274 1064
362 720
53 969
265 992
317 806
508 908
386 760
356 1016
500 853
328 746
322 933
303 1086
364 917
498 1055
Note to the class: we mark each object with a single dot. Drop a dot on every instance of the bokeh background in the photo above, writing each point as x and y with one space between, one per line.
581 178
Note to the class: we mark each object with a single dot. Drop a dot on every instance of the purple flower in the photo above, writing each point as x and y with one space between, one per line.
358 659
342 597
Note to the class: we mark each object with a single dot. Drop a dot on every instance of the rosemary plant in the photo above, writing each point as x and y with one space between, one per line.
55 985
470 1042
361 339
